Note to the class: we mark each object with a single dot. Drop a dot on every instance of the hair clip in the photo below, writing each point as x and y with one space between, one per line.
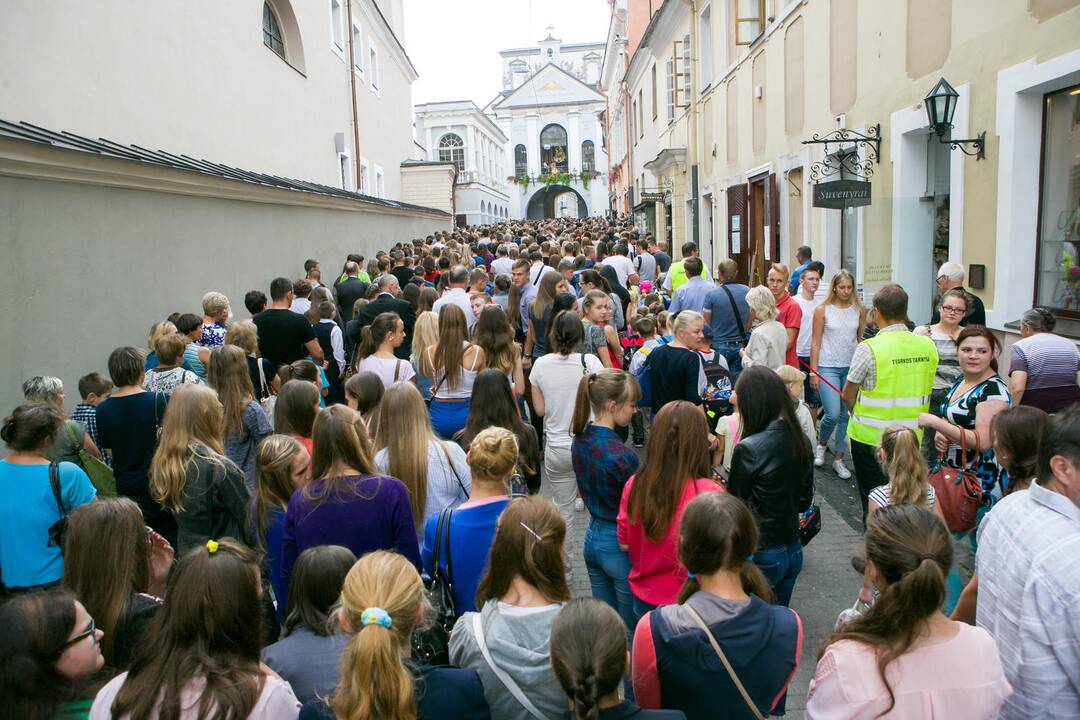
531 531
375 616
212 546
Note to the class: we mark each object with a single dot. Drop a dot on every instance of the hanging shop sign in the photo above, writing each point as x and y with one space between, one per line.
840 194
653 197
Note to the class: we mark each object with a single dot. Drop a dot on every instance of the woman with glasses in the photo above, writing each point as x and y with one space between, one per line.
954 306
49 649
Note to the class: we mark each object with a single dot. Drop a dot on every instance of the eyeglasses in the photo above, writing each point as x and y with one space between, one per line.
87 633
952 309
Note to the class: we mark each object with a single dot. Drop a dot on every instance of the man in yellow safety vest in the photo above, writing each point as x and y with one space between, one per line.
888 383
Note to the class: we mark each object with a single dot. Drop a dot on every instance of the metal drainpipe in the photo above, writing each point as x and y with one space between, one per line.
352 95
627 123
692 125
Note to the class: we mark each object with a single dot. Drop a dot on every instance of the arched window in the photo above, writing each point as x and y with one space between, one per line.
452 149
272 32
553 151
588 156
521 161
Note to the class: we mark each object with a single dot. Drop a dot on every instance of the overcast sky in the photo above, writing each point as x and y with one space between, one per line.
455 44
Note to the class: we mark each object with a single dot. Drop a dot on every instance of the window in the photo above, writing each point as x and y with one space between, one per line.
684 72
654 102
357 51
1057 280
669 66
588 156
452 149
337 24
373 66
641 113
343 167
705 60
553 154
365 177
272 32
749 21
633 118
521 161
380 188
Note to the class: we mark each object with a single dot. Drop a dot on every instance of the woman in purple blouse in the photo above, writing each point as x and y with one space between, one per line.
348 504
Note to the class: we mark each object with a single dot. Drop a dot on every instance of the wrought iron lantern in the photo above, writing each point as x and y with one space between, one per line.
940 108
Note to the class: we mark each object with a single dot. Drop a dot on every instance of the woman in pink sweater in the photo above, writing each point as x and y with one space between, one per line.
676 470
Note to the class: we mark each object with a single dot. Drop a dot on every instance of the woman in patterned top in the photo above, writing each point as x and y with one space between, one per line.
215 315
954 305
963 428
168 374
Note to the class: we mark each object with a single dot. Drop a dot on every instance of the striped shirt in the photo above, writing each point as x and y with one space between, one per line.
1029 600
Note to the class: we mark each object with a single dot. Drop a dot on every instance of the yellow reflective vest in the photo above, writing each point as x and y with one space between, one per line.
904 367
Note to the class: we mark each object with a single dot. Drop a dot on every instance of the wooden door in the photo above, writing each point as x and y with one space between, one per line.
737 230
756 210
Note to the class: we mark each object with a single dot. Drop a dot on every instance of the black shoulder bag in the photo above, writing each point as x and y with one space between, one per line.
58 530
431 645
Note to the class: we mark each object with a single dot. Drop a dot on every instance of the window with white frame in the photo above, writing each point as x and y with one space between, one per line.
380 188
344 170
373 66
684 72
655 101
337 24
669 66
641 112
365 177
705 52
357 49
588 156
452 149
521 161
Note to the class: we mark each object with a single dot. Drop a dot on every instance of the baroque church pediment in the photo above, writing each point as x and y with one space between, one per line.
550 85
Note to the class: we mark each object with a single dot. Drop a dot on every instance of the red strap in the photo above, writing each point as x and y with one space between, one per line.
838 392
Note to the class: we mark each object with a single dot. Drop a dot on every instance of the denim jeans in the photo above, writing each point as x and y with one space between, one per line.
730 351
836 415
810 395
609 568
781 564
640 608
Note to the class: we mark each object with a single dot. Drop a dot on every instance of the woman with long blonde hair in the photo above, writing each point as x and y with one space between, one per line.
435 472
425 336
282 466
837 328
347 502
382 601
246 423
190 475
452 364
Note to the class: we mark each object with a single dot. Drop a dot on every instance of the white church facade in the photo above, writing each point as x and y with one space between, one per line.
550 112
458 132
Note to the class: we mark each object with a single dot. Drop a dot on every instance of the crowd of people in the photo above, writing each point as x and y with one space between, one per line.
362 501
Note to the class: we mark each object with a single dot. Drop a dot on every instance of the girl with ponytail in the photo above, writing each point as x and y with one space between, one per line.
675 662
375 353
382 602
603 464
904 656
588 655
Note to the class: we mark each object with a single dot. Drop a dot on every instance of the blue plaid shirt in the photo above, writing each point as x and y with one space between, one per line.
87 415
603 463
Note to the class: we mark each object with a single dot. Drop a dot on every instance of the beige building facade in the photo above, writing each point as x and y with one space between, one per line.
767 76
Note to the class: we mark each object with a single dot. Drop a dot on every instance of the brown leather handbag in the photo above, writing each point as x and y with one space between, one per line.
959 492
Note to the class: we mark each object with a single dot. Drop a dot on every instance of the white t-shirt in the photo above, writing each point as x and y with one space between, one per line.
557 377
624 267
502 266
275 701
806 329
386 367
459 297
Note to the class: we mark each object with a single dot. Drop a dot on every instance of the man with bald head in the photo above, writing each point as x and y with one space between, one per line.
349 290
388 300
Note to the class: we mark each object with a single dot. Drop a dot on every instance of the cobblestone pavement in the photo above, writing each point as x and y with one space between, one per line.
826 585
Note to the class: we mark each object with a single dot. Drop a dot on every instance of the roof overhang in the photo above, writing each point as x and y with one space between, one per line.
666 159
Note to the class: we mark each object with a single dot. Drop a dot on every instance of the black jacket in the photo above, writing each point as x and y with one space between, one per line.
348 292
388 303
776 487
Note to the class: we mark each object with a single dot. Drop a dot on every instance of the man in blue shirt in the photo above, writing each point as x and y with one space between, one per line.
803 258
727 314
691 296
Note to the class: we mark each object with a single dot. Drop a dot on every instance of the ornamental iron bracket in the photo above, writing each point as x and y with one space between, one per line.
845 161
978 143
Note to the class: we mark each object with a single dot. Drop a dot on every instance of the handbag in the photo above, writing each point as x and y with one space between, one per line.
959 492
723 659
431 646
58 530
100 474
809 524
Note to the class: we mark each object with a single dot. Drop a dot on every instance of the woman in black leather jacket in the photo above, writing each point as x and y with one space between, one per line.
772 471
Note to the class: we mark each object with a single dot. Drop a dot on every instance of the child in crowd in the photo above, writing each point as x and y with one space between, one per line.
645 326
728 434
93 389
716 398
478 301
502 291
364 393
794 381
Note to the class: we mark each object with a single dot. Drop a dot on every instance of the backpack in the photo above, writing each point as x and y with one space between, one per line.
718 386
631 342
645 401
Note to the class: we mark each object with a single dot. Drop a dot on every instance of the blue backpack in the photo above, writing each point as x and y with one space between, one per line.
643 376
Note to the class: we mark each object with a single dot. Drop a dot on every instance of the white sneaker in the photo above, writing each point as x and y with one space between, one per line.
819 456
841 470
579 505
